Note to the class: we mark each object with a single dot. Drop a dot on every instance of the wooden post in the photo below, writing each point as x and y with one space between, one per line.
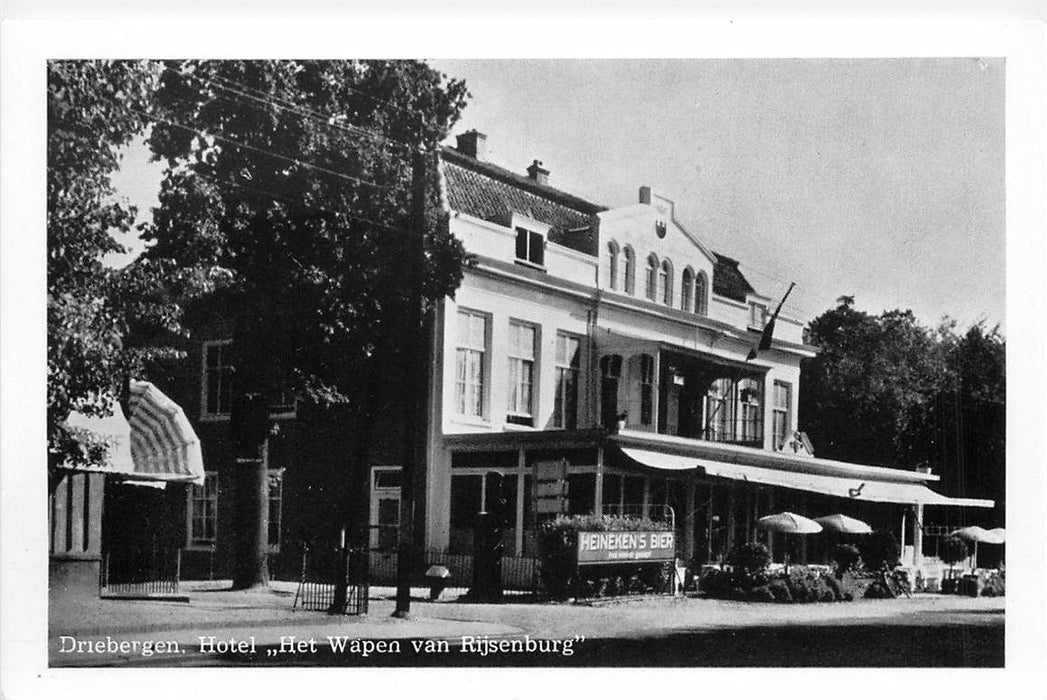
415 389
732 503
917 535
688 520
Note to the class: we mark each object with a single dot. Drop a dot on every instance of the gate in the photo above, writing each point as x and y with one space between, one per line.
140 572
334 580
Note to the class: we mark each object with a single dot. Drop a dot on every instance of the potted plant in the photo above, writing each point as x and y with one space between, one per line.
622 418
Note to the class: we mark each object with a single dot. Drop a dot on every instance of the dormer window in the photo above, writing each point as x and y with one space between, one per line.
757 315
530 247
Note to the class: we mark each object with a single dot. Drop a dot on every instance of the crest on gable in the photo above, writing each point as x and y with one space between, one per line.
797 443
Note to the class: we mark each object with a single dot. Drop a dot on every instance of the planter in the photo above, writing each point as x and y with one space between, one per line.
971 585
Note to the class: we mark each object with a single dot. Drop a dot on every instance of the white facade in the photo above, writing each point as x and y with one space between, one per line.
502 382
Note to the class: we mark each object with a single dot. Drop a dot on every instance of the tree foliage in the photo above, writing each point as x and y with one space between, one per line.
886 390
293 177
93 109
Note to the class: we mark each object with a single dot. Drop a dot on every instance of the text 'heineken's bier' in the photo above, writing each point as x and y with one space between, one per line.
644 545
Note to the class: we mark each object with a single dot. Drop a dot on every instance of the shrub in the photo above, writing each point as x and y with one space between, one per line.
557 544
808 586
994 585
750 563
952 550
880 551
846 557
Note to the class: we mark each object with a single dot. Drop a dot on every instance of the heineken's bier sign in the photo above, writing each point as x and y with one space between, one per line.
640 546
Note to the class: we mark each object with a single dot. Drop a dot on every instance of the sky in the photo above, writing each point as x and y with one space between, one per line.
877 178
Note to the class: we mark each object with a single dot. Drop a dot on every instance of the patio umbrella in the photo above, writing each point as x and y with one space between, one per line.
838 522
975 534
999 533
789 524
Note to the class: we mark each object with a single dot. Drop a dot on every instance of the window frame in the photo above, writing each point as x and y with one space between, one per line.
513 414
701 293
651 279
687 289
560 400
629 282
277 411
612 265
764 315
777 441
646 381
205 374
665 282
191 541
532 236
484 363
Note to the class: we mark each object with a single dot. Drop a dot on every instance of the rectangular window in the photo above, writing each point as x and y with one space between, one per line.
203 511
521 373
276 500
469 368
646 389
530 247
757 315
568 368
217 385
217 379
780 419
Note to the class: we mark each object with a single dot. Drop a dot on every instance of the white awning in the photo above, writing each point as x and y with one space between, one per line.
157 444
851 488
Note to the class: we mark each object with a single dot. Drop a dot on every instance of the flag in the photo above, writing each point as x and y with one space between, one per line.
768 329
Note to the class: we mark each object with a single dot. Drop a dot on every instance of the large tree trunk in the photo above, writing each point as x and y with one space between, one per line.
250 424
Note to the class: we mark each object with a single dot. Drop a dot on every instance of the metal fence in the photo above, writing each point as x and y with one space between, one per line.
518 574
333 580
652 511
140 572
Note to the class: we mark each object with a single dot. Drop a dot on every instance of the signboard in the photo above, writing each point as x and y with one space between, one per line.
613 547
550 487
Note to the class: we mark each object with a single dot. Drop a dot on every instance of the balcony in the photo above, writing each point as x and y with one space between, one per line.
646 386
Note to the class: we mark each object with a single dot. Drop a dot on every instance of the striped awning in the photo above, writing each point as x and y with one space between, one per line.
164 445
156 443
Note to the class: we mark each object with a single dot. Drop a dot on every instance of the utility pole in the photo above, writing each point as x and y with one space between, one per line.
415 385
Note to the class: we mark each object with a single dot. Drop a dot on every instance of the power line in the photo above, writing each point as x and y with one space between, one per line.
326 121
219 137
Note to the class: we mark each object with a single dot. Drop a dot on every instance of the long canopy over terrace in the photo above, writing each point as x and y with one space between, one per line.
827 477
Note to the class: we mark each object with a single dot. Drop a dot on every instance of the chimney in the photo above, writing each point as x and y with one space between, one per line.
536 172
473 144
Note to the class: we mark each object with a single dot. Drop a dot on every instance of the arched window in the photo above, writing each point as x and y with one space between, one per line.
612 265
701 294
630 271
652 277
665 283
686 288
